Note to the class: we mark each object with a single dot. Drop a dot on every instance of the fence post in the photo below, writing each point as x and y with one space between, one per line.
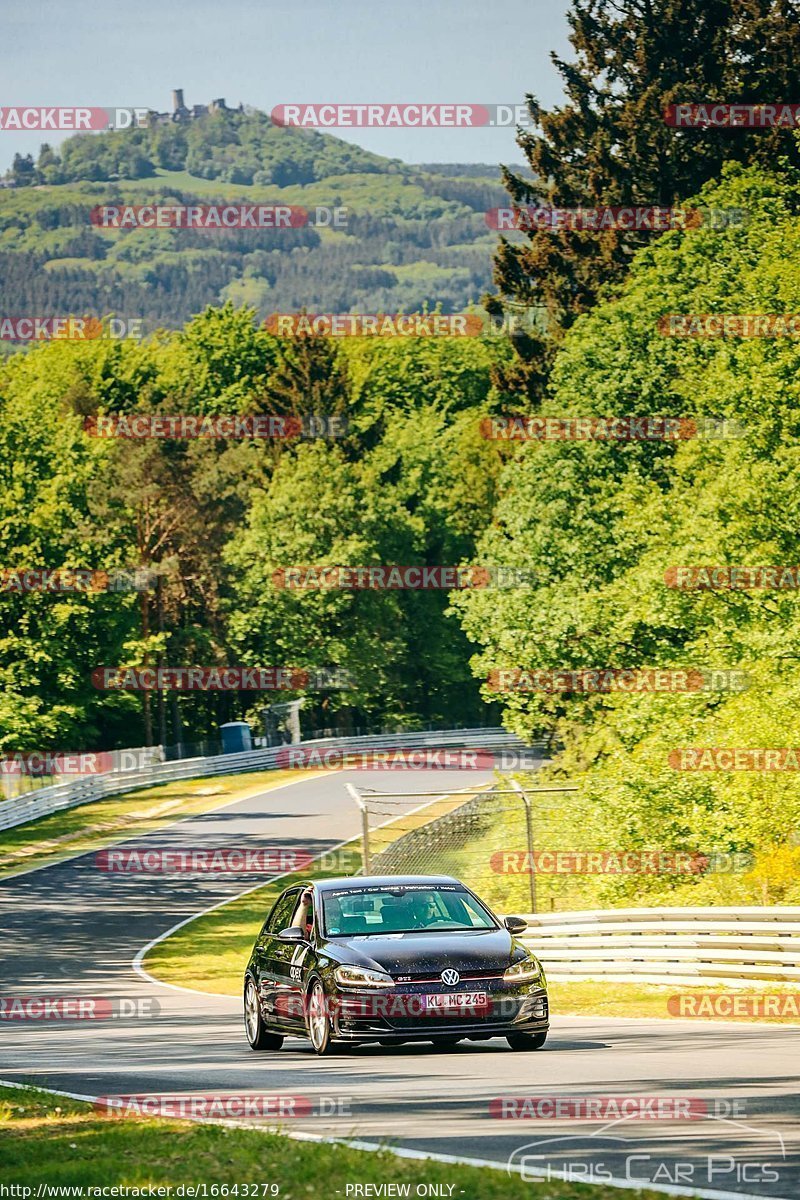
354 792
529 837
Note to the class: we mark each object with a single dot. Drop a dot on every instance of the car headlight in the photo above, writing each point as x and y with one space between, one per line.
362 977
527 970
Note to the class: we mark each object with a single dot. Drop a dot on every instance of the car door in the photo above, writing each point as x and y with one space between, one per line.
269 964
290 963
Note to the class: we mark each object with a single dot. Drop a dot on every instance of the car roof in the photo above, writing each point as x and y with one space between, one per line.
389 881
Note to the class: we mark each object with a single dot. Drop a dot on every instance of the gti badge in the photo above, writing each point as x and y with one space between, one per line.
450 977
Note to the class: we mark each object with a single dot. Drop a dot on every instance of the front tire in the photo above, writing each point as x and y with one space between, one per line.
318 1021
258 1035
526 1041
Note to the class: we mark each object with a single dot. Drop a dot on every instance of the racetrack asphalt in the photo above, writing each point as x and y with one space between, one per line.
73 930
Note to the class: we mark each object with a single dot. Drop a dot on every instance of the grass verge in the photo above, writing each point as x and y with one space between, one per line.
211 952
104 822
596 998
48 1139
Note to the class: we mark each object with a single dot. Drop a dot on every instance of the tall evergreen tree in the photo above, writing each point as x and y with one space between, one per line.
609 144
309 377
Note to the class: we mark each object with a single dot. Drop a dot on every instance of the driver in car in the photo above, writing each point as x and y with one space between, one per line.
423 911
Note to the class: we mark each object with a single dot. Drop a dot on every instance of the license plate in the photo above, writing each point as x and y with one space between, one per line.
447 1001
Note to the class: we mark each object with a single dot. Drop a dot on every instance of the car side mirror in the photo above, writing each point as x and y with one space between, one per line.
515 924
293 934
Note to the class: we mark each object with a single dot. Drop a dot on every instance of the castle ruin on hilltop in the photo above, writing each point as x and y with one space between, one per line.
181 114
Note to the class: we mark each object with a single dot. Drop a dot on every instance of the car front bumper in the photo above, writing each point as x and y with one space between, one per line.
401 1015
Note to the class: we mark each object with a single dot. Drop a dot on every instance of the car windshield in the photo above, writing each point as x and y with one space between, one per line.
363 912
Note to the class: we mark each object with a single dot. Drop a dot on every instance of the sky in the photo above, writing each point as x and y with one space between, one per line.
268 52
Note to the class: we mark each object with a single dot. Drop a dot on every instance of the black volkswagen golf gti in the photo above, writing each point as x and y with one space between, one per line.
391 959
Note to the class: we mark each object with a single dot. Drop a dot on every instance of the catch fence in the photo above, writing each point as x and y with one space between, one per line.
440 833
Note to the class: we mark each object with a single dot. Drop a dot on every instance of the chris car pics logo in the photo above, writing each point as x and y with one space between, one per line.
744 1157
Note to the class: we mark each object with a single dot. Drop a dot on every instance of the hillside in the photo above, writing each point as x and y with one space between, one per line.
414 236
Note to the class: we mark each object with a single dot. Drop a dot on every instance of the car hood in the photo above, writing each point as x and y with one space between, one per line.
429 953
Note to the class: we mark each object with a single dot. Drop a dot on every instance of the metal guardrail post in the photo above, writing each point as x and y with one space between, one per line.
356 795
517 786
529 838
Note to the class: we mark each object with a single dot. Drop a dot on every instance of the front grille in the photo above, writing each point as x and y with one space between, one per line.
486 974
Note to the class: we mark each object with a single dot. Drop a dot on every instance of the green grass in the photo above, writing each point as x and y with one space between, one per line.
597 998
47 1139
211 953
105 822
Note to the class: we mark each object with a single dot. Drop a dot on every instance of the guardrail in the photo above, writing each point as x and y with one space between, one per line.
97 787
732 946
